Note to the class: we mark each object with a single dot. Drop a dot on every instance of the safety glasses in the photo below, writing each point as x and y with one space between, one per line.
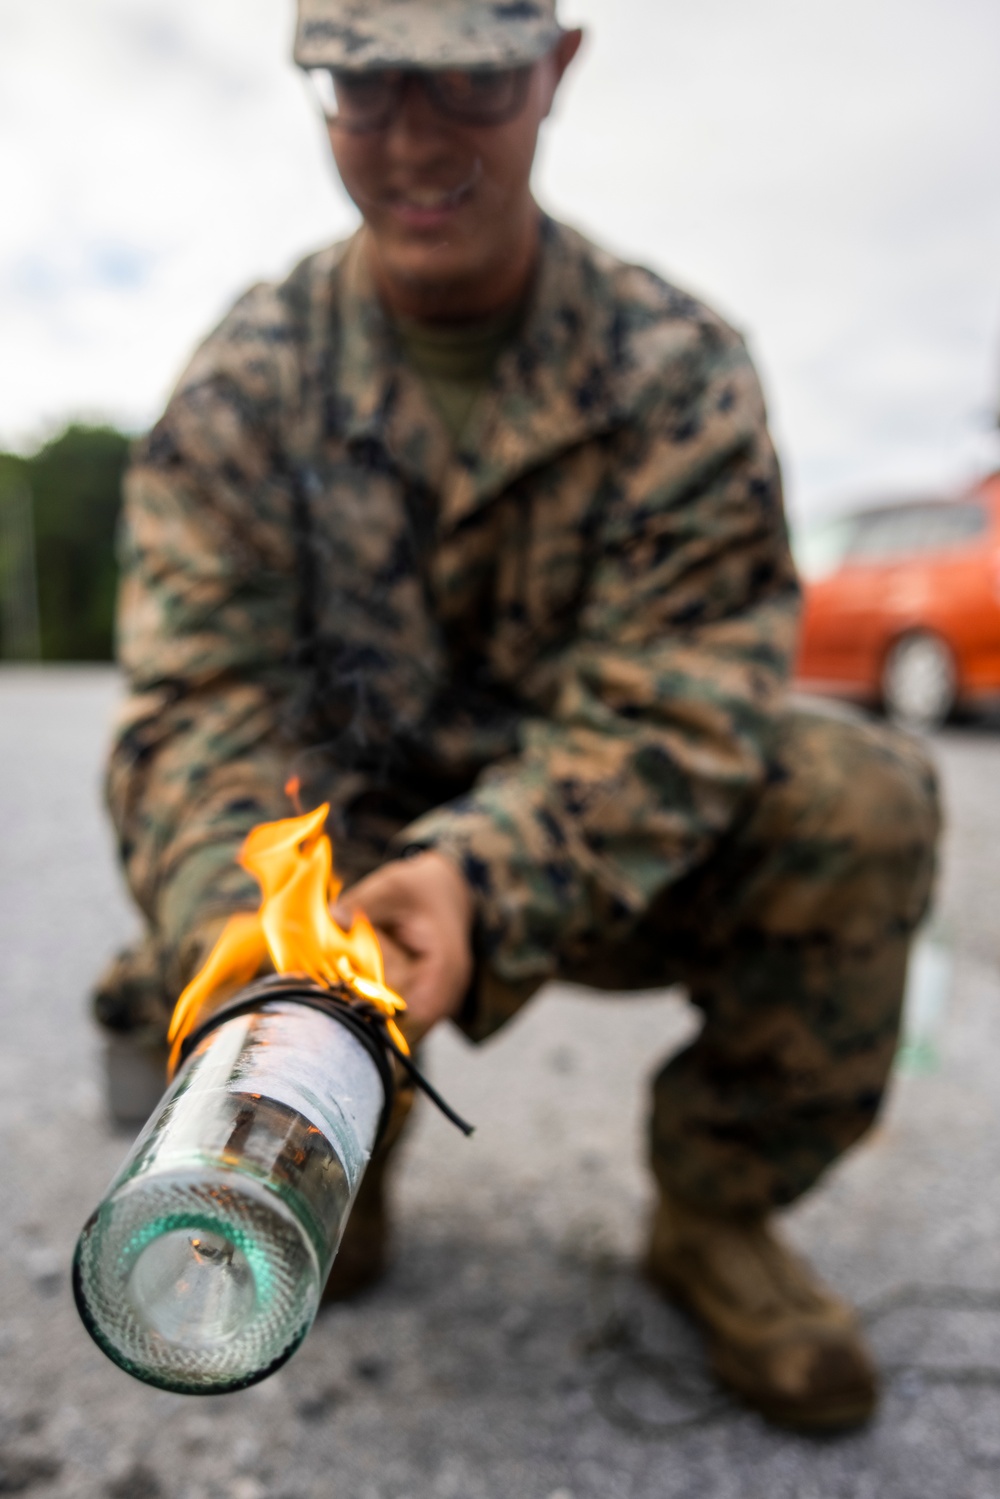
362 102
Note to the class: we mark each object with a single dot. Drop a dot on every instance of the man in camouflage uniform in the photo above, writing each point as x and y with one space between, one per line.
524 616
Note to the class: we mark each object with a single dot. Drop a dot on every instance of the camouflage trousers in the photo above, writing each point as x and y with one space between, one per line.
792 940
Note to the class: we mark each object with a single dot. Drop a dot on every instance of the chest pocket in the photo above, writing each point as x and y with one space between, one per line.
515 574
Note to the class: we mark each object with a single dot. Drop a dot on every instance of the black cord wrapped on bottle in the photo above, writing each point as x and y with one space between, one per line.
202 1269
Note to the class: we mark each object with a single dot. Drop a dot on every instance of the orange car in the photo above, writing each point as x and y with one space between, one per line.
903 605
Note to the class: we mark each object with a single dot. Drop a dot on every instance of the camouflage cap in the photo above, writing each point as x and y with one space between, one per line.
362 34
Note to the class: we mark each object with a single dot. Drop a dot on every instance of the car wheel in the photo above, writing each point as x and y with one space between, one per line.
919 681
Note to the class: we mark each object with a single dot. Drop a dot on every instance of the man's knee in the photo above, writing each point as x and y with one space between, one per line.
851 819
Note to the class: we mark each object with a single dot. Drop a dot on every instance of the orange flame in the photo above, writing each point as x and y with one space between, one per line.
293 789
292 861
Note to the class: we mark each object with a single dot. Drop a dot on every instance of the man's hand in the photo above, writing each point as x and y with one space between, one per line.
421 909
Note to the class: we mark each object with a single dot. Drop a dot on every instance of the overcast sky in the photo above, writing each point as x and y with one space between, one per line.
826 174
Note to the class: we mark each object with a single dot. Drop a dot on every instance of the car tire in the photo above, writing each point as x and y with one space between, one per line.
919 680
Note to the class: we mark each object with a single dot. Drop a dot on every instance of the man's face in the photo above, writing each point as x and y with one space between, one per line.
448 204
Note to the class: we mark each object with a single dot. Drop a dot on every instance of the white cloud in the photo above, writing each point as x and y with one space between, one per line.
155 156
826 175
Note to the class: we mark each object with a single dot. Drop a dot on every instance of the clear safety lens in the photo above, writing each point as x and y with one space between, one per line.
360 102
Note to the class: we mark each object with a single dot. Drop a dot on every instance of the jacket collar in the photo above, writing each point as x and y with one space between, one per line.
555 386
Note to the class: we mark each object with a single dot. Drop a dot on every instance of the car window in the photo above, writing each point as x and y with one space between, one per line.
876 536
885 535
954 525
915 530
820 548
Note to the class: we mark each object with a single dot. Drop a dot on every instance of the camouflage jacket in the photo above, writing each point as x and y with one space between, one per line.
555 654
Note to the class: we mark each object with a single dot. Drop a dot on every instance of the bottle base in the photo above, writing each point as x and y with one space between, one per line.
196 1283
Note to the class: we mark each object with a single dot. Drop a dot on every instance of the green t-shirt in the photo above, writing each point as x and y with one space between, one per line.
455 360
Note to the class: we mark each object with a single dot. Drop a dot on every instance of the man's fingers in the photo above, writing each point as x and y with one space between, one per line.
376 898
421 910
341 915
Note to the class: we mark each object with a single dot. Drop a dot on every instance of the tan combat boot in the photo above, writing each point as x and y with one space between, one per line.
776 1335
363 1256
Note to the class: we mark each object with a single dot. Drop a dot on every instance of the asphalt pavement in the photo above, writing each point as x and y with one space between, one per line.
513 1353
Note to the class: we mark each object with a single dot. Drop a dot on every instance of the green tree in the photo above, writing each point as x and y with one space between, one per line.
75 483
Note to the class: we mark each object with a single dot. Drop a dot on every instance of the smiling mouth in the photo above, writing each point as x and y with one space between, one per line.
431 203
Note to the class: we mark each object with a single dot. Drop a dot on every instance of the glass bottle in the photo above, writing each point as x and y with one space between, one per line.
202 1269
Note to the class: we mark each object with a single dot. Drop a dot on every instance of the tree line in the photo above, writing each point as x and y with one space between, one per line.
58 571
